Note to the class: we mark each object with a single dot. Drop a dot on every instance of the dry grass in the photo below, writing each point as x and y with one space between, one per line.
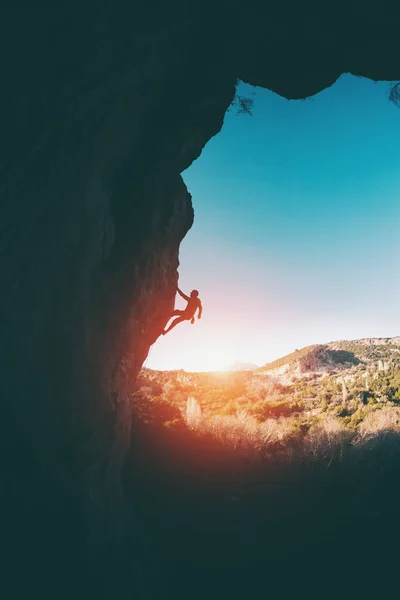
326 437
380 421
239 430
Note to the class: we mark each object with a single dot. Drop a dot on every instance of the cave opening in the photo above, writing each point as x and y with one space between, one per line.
294 239
295 214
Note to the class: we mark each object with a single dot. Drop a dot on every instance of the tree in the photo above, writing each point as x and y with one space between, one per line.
244 105
394 95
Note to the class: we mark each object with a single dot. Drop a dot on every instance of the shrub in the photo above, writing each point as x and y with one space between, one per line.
193 412
243 430
265 410
379 421
327 436
259 388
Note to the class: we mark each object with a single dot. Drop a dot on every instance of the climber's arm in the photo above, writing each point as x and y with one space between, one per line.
200 310
183 295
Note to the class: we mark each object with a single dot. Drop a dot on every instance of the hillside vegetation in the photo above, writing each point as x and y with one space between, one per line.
314 400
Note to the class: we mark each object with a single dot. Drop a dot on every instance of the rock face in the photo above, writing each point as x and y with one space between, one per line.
363 358
314 359
318 358
102 111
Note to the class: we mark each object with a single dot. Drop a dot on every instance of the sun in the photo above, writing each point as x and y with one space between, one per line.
210 357
205 351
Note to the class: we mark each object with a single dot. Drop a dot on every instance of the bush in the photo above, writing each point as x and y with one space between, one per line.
244 431
327 437
266 410
379 421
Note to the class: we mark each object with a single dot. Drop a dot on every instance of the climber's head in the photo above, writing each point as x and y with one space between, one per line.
194 294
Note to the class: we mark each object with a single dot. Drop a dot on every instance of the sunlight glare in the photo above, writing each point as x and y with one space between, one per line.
207 357
206 349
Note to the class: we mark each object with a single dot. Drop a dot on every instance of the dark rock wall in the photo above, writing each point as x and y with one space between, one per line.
103 108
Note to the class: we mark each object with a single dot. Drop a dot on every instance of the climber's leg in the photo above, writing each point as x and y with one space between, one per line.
174 323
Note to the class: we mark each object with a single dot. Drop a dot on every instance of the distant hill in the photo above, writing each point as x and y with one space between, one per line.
243 366
287 359
333 357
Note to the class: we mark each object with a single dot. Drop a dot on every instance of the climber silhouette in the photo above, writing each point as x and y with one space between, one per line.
193 304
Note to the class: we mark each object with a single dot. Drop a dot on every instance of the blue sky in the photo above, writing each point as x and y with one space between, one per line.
296 235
